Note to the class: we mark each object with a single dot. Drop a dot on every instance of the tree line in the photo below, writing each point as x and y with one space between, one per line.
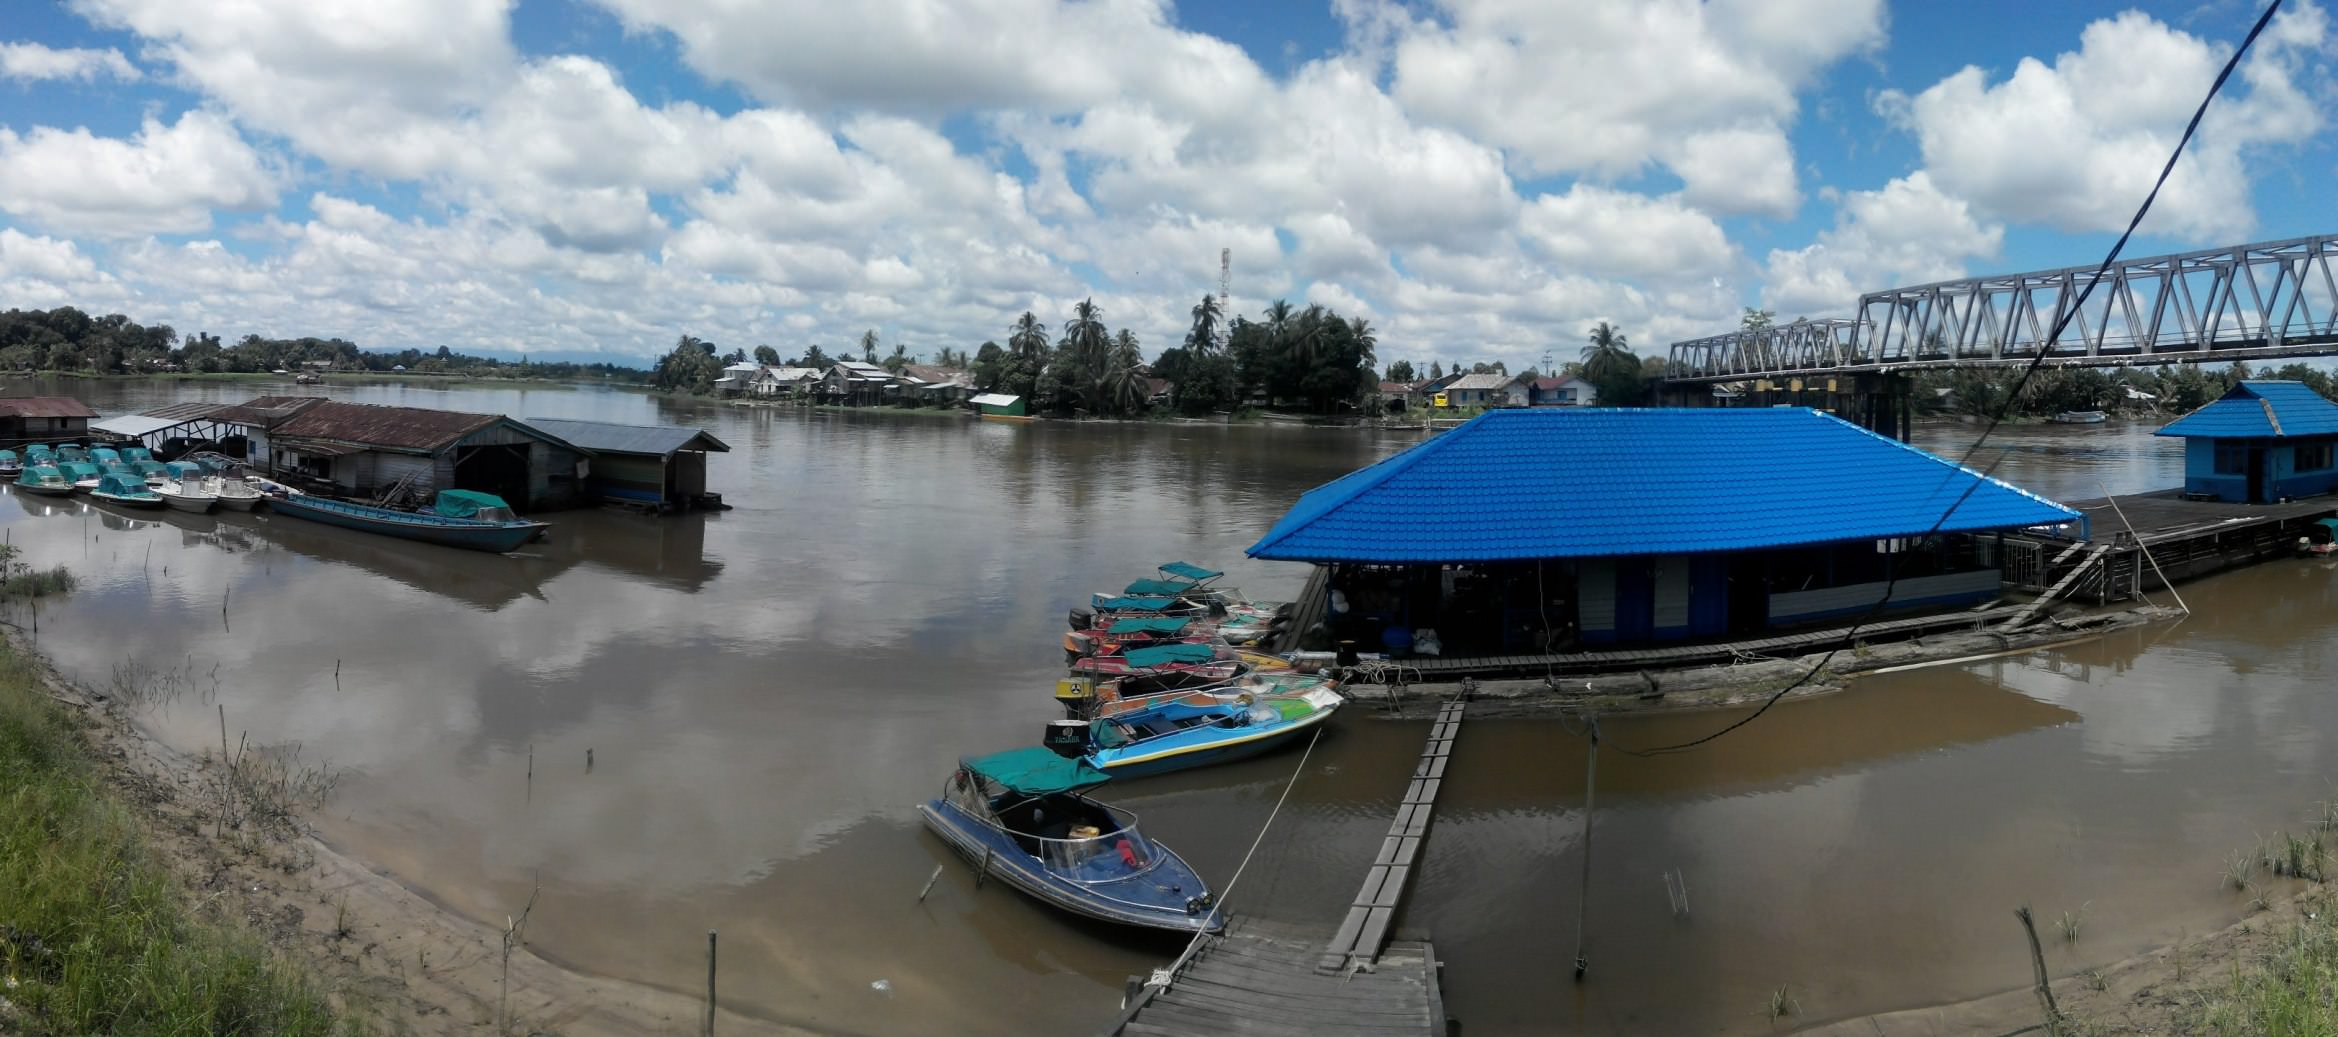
69 340
2167 389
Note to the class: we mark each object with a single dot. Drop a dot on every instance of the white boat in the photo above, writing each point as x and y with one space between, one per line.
2081 417
187 496
234 494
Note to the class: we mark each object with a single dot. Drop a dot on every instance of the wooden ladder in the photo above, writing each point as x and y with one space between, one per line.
2069 579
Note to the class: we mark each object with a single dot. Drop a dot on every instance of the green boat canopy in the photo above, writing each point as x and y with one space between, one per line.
1161 655
467 503
1191 571
1151 625
1157 587
1036 770
123 485
1135 604
2330 524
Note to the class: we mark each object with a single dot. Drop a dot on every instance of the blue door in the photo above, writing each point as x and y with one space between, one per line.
1635 600
1708 596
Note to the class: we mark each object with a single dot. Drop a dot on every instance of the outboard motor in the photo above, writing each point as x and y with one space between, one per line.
1082 618
1067 738
1217 609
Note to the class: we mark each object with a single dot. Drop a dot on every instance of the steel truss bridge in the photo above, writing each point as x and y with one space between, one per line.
2269 300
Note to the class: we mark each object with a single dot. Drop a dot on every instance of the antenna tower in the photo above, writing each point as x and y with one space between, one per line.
1225 288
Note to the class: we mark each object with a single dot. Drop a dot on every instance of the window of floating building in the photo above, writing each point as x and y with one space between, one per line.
2232 459
2313 457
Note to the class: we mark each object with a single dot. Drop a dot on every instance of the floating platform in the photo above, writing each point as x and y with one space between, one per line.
2186 538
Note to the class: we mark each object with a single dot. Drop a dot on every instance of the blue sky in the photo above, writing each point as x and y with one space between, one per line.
1478 180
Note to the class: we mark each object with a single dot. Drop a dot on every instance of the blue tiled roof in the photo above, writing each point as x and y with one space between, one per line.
2260 410
1595 482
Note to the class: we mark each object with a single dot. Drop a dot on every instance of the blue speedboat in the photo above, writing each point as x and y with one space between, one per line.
473 521
1020 817
11 465
45 480
1175 732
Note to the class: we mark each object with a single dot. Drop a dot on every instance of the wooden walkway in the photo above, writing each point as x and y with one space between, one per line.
1264 979
1792 643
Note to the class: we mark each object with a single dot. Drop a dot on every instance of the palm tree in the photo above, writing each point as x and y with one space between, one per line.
1203 339
1125 385
1608 352
869 346
1278 318
1029 339
1089 344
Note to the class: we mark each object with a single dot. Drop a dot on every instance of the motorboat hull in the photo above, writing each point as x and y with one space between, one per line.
149 501
496 537
1001 858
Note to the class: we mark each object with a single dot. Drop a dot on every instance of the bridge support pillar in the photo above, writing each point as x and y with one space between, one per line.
1880 403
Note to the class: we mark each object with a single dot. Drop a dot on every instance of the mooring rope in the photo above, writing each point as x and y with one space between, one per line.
1163 977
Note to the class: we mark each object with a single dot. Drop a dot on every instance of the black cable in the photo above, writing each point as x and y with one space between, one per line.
2061 321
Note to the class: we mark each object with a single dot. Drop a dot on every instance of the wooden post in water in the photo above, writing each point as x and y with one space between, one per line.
710 983
929 883
1583 905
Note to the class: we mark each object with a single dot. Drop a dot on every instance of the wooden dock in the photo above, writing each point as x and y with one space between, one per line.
1787 643
1265 979
2186 538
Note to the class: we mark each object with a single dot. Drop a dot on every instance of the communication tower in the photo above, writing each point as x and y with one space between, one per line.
1225 288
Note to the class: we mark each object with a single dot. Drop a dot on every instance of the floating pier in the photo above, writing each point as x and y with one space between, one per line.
2186 538
1273 980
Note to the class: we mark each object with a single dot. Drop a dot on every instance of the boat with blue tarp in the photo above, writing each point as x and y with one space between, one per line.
1022 817
11 465
460 518
45 480
83 475
1175 732
128 491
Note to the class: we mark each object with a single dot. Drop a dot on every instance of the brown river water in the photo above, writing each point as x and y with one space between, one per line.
767 692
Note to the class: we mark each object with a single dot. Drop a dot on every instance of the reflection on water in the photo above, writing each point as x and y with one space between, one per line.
767 691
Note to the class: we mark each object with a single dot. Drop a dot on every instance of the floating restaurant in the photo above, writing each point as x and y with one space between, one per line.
1540 531
369 450
662 467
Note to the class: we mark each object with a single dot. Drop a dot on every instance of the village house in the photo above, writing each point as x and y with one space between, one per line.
369 451
1478 390
662 467
2259 443
35 419
931 383
1564 391
735 378
857 383
1527 531
783 382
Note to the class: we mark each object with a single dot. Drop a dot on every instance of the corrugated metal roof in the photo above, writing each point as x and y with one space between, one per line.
2260 410
133 424
1480 381
265 411
374 425
184 411
603 437
1603 482
45 407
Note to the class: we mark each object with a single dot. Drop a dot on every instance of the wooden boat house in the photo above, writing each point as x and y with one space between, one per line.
371 451
38 419
653 466
2262 442
1542 530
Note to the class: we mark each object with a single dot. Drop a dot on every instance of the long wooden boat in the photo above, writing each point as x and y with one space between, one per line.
1020 817
497 535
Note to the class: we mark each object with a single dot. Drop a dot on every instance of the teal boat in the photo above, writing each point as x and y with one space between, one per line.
105 455
10 464
128 491
461 518
1183 731
83 474
136 454
150 470
46 480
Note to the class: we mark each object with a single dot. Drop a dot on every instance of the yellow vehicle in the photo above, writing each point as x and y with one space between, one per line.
1440 400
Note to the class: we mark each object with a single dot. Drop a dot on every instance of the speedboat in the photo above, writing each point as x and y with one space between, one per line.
45 480
234 494
184 488
2321 539
1174 732
1021 817
105 455
11 465
128 491
83 475
461 518
154 472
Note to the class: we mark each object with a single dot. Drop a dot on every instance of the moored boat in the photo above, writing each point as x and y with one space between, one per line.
11 465
472 521
1175 732
1021 817
234 494
45 480
2080 417
187 490
128 491
82 474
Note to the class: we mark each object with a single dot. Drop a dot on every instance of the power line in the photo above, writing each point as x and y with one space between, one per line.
2062 320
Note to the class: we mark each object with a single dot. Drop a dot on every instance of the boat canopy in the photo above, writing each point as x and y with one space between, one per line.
1135 604
2330 524
38 448
185 470
34 474
1190 571
1161 655
1152 625
1143 587
469 504
79 470
123 485
1035 770
135 454
7 455
104 455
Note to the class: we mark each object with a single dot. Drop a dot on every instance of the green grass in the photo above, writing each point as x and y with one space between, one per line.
2287 993
95 935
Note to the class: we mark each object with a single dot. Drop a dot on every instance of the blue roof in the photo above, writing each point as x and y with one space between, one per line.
2260 410
1604 482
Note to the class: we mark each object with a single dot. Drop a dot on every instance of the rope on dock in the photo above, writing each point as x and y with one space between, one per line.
1162 977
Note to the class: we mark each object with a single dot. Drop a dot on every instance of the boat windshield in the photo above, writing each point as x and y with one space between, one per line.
1087 855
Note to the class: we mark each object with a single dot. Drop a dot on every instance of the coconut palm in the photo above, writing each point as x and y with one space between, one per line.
1203 339
1030 339
869 346
1608 352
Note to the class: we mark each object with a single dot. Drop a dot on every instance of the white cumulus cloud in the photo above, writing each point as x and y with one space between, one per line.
26 61
1907 233
165 179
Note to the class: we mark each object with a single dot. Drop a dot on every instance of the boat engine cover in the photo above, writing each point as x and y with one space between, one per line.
1067 738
